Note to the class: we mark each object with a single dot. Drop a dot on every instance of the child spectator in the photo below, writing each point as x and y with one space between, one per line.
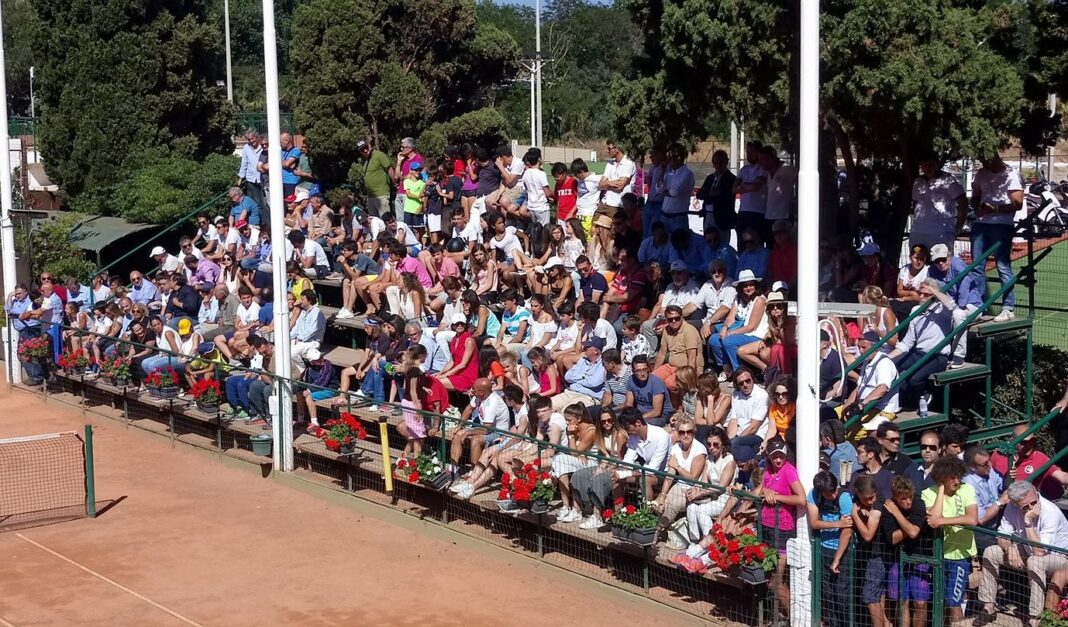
950 503
829 514
634 343
566 192
902 523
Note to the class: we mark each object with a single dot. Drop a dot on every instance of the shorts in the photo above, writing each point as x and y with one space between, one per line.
875 573
433 223
778 537
493 437
322 395
414 220
917 583
469 193
587 225
957 572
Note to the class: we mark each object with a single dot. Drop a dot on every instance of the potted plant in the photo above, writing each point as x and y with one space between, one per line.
163 383
744 554
75 361
529 489
207 394
340 434
1056 617
120 371
633 524
426 468
35 349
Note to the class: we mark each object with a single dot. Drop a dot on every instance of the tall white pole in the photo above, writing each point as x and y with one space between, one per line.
808 449
283 427
7 237
33 107
229 70
741 149
533 108
734 149
1049 150
539 138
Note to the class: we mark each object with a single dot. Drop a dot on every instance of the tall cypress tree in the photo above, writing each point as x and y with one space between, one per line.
118 77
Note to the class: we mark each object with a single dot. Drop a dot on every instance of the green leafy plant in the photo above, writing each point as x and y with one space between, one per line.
529 485
627 516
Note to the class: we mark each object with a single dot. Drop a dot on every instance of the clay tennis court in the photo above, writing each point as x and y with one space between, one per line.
193 540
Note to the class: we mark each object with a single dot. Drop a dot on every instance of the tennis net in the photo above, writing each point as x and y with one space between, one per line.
45 478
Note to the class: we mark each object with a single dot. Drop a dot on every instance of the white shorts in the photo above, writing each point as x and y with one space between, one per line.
433 223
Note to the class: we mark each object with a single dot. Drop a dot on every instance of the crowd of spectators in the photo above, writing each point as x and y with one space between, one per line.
585 312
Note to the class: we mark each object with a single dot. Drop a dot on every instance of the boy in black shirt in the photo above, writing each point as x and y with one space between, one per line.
903 523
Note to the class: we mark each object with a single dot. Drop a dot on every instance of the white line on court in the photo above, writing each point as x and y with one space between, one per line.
105 579
4 623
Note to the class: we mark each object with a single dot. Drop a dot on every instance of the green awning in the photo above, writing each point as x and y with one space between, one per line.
98 232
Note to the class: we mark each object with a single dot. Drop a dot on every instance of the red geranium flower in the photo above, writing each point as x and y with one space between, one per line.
732 546
630 509
606 514
619 501
413 477
735 559
503 494
506 479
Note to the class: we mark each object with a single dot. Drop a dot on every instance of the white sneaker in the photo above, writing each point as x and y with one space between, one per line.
568 515
1005 316
593 522
465 491
344 314
456 487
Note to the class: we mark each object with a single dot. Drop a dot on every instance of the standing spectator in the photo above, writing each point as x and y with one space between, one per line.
412 189
565 192
19 307
751 185
1027 460
781 191
950 504
842 453
939 205
617 180
870 458
930 450
997 194
955 439
783 494
678 188
717 196
589 195
406 157
376 178
248 173
989 494
290 163
654 201
536 187
830 515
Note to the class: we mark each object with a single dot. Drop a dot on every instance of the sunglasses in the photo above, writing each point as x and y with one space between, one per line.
745 382
781 393
685 431
928 447
897 439
673 318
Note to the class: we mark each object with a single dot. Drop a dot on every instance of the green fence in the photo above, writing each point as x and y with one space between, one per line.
245 120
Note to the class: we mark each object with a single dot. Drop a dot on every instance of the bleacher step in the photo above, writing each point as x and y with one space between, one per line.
967 372
987 327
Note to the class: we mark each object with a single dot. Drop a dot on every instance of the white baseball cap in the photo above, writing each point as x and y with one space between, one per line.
157 251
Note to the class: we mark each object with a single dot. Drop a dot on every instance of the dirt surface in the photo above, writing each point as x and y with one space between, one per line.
196 541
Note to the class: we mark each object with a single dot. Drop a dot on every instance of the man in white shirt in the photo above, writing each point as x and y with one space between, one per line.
717 296
875 386
997 194
781 189
618 179
487 409
747 423
167 262
589 194
1033 519
536 186
683 292
752 186
647 446
228 240
678 189
939 205
312 255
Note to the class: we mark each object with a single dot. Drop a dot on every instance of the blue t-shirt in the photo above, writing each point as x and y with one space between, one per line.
288 178
511 323
266 315
831 512
249 205
594 283
643 395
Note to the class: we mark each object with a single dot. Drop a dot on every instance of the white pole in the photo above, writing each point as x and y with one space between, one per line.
734 149
537 68
807 301
33 109
7 238
533 109
283 427
1049 150
226 29
740 163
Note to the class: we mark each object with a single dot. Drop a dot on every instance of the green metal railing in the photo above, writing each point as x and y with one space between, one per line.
244 120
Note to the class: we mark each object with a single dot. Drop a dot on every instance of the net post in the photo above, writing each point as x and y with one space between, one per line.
387 464
90 478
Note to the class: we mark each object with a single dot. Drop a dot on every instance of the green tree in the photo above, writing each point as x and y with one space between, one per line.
51 249
386 69
117 77
20 23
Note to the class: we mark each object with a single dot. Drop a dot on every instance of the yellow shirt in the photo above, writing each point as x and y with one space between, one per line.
783 417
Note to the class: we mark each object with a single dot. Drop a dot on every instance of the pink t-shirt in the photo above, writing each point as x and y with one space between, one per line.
779 483
448 268
411 264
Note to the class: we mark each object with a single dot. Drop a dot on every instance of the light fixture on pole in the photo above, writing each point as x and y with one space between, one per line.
229 70
7 228
283 426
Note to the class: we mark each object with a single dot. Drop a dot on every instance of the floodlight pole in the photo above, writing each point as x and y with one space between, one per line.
1049 149
229 67
733 161
7 227
533 108
808 230
283 426
539 138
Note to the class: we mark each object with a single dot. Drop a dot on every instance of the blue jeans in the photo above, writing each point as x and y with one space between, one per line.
986 235
258 393
676 222
237 387
33 369
916 385
725 351
374 382
159 362
651 213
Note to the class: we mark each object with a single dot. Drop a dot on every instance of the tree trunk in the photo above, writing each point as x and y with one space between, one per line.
852 176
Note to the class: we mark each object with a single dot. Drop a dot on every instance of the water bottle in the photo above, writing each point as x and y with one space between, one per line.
923 406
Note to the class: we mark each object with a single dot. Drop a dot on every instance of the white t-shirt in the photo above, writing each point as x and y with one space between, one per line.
653 449
312 248
685 459
535 182
101 294
248 315
604 330
233 238
374 227
565 336
1051 526
470 233
614 170
507 244
211 234
539 330
589 194
780 196
492 412
997 188
712 299
936 203
909 281
746 409
688 294
196 253
170 264
753 202
880 370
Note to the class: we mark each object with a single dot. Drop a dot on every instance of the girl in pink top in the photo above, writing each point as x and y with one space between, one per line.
783 494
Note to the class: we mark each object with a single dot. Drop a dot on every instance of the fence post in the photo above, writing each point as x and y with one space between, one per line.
90 476
387 464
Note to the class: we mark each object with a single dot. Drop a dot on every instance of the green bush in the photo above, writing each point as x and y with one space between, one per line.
53 250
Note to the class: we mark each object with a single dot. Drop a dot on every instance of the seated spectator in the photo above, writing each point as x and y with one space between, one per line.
716 249
142 291
487 410
200 271
776 352
634 343
592 284
262 386
626 293
310 254
873 398
142 344
685 465
1026 462
207 365
680 346
689 252
683 293
783 408
165 261
584 380
553 282
567 332
319 384
831 366
647 393
515 323
542 324
874 269
387 349
909 278
483 274
717 296
747 425
183 302
747 322
461 370
408 299
234 344
357 270
950 506
178 346
967 295
752 255
308 330
656 246
581 434
713 405
549 382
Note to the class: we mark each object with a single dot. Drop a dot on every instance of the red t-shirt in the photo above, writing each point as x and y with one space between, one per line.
623 282
1025 467
459 167
435 399
566 197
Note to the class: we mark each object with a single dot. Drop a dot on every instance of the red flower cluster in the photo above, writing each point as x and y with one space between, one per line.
34 348
164 377
526 485
206 391
743 549
76 359
343 431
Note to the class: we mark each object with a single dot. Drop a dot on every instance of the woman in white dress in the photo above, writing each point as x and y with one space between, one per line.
686 463
703 504
581 435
